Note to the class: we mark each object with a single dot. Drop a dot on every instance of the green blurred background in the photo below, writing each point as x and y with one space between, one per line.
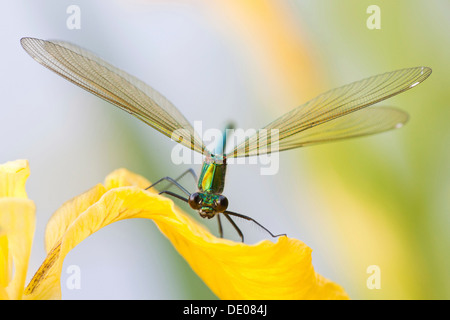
380 200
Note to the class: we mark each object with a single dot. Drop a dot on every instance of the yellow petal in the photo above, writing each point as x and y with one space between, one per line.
125 178
3 294
17 223
5 260
267 270
13 176
69 211
263 271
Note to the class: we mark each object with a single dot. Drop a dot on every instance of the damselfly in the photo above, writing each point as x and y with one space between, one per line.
328 117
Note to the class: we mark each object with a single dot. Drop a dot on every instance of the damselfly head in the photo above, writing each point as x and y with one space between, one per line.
207 204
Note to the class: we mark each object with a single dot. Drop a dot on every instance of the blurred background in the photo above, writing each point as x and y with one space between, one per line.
381 200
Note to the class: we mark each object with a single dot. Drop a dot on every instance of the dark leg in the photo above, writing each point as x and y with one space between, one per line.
226 213
191 171
234 225
172 181
174 195
175 181
220 225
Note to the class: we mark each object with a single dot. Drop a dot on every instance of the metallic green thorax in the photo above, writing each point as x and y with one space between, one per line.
209 199
212 176
211 183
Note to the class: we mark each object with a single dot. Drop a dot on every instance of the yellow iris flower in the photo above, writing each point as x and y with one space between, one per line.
264 271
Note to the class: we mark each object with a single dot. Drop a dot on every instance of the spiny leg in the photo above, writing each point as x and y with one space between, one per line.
172 182
191 171
175 181
226 213
234 225
173 194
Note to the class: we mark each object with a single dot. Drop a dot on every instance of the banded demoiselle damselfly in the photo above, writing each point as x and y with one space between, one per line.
337 114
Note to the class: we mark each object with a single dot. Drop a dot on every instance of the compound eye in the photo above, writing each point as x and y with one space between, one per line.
221 204
195 201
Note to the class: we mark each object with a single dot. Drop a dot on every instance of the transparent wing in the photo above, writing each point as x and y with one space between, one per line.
330 116
364 122
115 86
